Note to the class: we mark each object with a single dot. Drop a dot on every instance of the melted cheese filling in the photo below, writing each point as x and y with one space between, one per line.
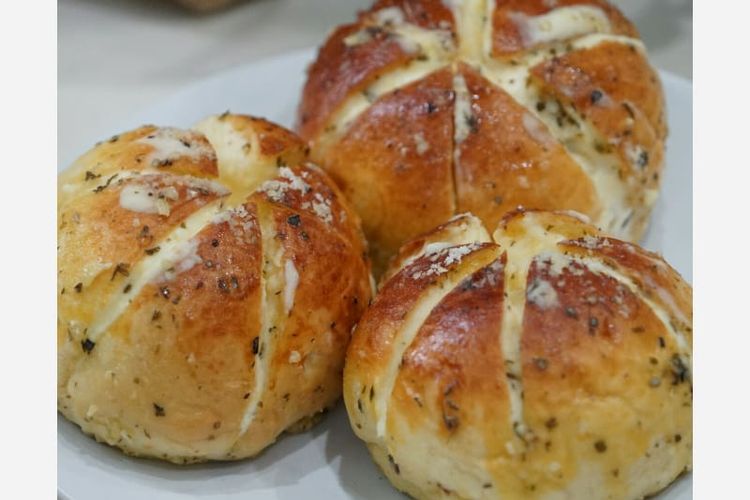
577 135
291 280
235 152
520 254
169 144
273 284
463 115
470 22
559 24
461 229
172 250
143 199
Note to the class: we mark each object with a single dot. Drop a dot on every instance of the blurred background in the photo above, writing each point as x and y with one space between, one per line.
116 57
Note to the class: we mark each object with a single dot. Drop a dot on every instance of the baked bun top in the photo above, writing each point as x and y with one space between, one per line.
199 313
546 360
423 109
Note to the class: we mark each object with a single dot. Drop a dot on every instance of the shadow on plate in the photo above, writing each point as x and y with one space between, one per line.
273 468
357 473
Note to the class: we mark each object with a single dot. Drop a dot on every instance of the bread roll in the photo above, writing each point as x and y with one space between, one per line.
208 282
547 361
423 109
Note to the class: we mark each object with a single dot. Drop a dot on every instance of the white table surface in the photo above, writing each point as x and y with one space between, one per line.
116 57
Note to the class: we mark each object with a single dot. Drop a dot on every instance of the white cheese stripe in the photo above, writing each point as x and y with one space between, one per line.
177 245
487 30
561 23
463 114
463 121
520 254
273 318
471 25
236 152
169 144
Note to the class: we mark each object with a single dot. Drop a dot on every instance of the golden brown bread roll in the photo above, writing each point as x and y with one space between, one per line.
422 109
199 314
547 361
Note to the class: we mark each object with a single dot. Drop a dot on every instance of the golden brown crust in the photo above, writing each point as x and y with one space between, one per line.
655 278
526 170
401 146
603 351
618 70
393 303
180 359
136 151
613 86
521 79
558 368
307 367
342 69
173 287
428 14
462 228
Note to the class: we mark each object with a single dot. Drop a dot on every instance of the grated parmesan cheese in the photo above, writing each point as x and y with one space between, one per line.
276 188
322 208
442 256
185 258
145 199
542 294
169 143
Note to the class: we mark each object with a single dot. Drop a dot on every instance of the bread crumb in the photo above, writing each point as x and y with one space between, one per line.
276 189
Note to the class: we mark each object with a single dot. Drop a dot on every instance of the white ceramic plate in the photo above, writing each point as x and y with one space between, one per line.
329 462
